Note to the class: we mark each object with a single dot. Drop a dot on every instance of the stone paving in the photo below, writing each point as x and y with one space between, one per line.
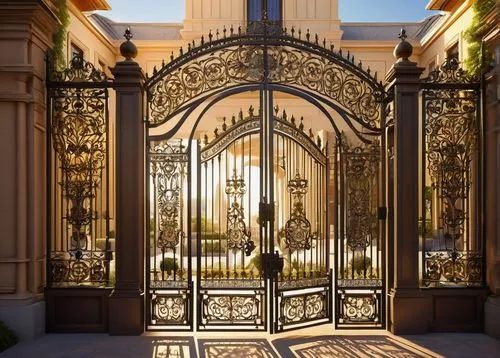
312 343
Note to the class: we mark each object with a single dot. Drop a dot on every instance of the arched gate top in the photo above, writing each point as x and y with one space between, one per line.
265 56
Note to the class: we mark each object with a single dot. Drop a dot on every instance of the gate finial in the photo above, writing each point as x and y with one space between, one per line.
128 48
404 49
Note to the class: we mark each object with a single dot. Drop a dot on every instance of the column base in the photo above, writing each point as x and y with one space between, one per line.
126 313
410 311
26 319
492 317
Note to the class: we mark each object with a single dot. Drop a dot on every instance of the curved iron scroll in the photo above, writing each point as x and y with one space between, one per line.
168 161
361 168
298 229
241 126
238 236
291 61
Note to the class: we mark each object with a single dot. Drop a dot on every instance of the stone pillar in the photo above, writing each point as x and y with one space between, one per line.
492 178
408 305
126 305
26 28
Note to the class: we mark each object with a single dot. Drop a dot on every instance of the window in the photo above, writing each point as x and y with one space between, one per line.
272 7
76 51
431 67
452 51
102 66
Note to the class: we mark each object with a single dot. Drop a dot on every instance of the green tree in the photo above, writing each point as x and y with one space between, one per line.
476 61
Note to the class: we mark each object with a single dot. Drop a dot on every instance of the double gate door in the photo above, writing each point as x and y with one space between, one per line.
238 228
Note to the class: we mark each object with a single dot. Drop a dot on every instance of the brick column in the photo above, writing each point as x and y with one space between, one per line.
408 305
126 315
26 29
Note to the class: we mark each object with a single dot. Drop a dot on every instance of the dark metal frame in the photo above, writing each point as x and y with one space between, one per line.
267 59
451 118
80 93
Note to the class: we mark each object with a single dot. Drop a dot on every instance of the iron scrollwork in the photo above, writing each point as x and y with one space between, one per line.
359 308
291 61
298 234
169 309
232 308
79 132
302 308
361 169
238 236
168 170
451 135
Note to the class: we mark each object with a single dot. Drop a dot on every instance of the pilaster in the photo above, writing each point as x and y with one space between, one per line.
126 315
408 305
26 29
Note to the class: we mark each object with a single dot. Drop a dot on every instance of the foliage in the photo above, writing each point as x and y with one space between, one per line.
168 264
359 263
59 36
214 247
7 337
477 62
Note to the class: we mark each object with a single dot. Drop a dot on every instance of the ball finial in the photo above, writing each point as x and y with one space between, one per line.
404 49
128 48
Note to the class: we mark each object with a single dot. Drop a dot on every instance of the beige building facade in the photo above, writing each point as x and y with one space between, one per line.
26 29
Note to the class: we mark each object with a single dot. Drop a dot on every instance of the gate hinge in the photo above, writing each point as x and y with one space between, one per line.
266 212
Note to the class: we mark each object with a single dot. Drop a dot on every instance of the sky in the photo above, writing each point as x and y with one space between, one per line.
350 10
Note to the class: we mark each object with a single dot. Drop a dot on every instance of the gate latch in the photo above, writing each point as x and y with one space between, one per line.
266 212
272 263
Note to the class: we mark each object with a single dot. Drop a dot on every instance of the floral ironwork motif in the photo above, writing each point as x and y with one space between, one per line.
237 60
298 228
232 309
79 70
238 236
89 267
79 137
450 72
169 309
359 308
458 267
296 309
451 135
168 161
361 166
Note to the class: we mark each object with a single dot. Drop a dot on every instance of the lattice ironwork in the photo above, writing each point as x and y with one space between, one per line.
281 58
452 249
79 132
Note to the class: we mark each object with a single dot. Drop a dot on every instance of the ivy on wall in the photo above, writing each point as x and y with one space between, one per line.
59 37
476 61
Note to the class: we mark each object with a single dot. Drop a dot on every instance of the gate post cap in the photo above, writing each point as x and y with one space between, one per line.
128 48
403 49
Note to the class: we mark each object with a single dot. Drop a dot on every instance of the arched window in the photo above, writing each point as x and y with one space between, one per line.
255 8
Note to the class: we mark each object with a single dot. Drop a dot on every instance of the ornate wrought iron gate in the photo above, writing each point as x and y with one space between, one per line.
252 217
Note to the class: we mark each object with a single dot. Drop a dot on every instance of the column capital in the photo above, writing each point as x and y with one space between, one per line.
128 73
404 72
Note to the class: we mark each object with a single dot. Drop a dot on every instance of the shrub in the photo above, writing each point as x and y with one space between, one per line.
7 337
359 265
213 247
168 264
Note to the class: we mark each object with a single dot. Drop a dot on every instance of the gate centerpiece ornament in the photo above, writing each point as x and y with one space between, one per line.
298 228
